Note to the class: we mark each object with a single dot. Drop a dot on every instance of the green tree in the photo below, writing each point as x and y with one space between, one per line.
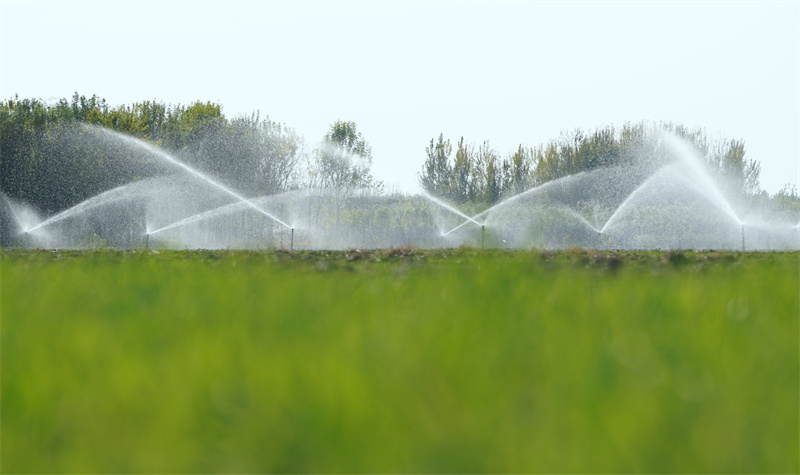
343 160
520 173
186 124
255 156
436 176
736 171
490 178
50 160
549 165
462 186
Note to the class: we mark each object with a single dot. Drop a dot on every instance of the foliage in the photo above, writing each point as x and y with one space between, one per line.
54 156
343 160
258 157
437 177
480 175
784 204
395 361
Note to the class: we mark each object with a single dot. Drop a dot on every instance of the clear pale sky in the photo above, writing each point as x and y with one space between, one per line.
507 72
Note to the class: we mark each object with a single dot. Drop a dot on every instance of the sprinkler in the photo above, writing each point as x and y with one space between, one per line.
147 241
25 240
291 241
442 236
483 229
743 237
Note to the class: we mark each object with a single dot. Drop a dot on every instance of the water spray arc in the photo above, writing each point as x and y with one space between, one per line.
110 196
172 160
457 227
449 208
467 219
666 204
487 213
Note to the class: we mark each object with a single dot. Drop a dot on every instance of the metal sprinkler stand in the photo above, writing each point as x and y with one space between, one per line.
147 241
483 229
743 238
291 241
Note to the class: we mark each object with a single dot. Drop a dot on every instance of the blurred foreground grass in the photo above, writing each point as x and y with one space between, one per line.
399 361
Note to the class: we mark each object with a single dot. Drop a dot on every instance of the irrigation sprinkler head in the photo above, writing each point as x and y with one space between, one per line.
291 241
743 248
147 241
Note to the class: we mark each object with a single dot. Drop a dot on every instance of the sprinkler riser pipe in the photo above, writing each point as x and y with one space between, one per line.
483 229
743 250
291 241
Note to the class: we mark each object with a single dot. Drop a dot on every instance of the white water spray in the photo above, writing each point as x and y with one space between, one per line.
112 195
706 186
213 213
449 208
172 160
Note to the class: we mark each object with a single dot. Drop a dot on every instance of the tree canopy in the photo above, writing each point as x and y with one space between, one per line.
479 176
53 156
46 161
343 160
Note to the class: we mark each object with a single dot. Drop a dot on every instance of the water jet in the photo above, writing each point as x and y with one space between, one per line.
668 203
449 208
174 161
111 196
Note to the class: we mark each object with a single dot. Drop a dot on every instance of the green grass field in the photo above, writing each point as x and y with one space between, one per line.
399 361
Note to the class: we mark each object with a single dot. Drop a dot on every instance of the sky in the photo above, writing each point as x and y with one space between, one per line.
511 73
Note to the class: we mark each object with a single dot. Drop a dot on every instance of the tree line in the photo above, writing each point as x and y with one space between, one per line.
477 175
54 155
